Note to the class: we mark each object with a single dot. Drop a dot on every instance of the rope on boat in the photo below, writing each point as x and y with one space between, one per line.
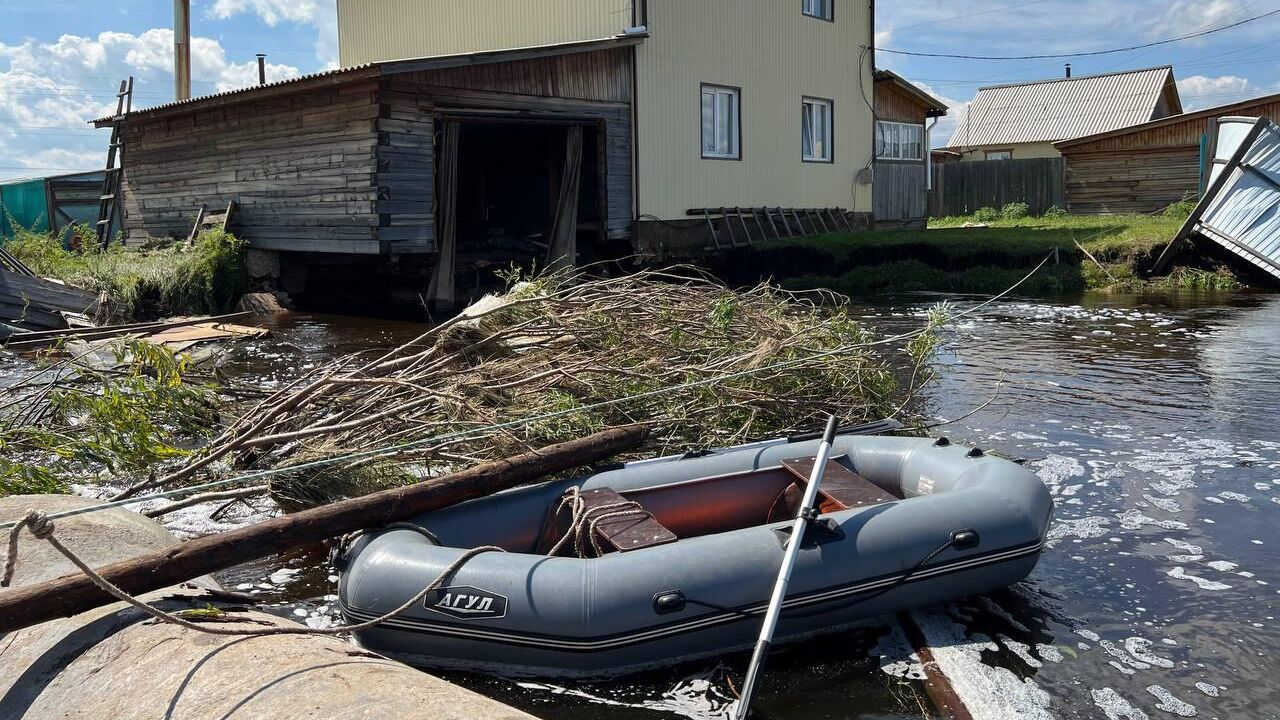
41 526
585 521
510 424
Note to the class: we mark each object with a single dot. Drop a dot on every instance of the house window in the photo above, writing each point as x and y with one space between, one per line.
821 9
999 154
721 122
815 130
899 141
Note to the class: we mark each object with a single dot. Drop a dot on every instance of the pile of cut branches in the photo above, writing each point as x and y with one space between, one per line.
547 353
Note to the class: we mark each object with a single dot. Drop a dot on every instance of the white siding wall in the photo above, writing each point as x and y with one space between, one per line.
375 30
777 56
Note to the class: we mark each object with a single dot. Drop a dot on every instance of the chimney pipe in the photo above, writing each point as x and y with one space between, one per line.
1068 69
182 49
262 69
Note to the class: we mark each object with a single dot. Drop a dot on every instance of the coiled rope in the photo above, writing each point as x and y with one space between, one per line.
585 521
41 527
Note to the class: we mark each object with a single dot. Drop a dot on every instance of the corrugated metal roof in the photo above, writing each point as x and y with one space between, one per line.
409 64
1244 214
1061 109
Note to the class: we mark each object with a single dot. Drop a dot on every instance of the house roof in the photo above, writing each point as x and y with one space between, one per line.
933 106
1064 108
1219 111
388 67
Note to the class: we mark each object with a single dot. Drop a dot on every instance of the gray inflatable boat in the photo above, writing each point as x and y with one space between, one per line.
673 559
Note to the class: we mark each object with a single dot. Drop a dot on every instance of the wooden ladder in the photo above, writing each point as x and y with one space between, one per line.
109 202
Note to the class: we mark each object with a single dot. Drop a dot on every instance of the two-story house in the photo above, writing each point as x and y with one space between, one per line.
736 103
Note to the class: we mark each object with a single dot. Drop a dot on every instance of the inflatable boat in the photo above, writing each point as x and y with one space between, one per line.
672 559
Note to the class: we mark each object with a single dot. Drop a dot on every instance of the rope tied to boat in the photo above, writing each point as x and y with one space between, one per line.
41 527
585 521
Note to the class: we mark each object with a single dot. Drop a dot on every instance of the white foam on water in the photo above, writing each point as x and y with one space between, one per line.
1116 707
282 576
897 657
1229 495
1222 565
1054 469
695 697
1139 648
1084 528
1184 545
1216 500
1022 650
1179 573
1171 704
989 693
1114 651
1124 670
1208 689
1186 559
1166 504
1133 520
1049 652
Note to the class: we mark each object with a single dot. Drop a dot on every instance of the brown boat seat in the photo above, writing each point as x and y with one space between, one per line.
633 528
841 489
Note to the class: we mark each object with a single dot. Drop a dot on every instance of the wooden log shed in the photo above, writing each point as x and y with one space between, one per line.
348 161
1145 168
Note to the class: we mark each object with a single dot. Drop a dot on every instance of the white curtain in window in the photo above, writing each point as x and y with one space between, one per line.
720 122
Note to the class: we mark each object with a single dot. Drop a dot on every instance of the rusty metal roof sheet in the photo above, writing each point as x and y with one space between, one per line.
1053 110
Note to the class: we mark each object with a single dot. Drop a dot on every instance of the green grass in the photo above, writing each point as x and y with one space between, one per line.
171 279
950 257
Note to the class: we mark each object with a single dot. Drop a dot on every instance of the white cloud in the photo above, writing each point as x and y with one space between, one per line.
50 90
320 14
1188 16
946 127
1198 91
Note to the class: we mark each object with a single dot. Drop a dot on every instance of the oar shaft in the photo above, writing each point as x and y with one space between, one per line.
788 565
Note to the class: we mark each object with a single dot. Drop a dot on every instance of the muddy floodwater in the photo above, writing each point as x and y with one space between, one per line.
1152 419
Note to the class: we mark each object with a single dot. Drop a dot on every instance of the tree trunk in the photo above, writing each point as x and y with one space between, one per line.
72 594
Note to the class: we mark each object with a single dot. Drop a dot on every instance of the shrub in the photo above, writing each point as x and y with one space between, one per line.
1180 210
1054 212
986 214
1015 211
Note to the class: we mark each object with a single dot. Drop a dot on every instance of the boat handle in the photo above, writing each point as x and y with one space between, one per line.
669 601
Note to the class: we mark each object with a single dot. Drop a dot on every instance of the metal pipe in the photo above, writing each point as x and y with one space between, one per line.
928 155
182 49
262 68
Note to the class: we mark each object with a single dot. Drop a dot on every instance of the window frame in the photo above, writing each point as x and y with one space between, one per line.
828 12
899 157
831 129
736 91
1008 152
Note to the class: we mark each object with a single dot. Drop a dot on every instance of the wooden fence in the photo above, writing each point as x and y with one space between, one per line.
960 188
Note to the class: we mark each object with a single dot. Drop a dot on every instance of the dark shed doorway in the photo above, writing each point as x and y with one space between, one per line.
509 175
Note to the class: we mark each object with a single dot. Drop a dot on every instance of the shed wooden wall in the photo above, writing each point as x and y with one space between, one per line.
901 189
300 165
1143 171
588 87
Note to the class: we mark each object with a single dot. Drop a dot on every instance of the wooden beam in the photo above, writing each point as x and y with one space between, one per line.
73 594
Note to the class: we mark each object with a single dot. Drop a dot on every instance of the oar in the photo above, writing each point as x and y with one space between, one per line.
806 514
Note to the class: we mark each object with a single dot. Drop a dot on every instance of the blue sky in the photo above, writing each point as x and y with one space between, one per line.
61 60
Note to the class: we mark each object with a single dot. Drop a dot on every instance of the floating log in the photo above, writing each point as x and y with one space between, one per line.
73 594
46 337
945 699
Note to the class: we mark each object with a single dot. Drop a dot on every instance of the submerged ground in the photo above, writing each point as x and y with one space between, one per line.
1150 418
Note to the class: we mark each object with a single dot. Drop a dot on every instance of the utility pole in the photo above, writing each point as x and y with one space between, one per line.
182 49
262 69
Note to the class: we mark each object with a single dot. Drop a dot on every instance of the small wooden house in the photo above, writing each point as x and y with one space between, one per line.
905 114
1021 121
1145 168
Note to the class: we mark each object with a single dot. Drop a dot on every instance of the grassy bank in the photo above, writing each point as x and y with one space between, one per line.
170 278
965 255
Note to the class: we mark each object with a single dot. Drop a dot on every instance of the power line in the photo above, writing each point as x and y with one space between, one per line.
968 15
1092 53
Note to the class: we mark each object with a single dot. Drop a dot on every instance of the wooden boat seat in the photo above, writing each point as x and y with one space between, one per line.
841 489
633 531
